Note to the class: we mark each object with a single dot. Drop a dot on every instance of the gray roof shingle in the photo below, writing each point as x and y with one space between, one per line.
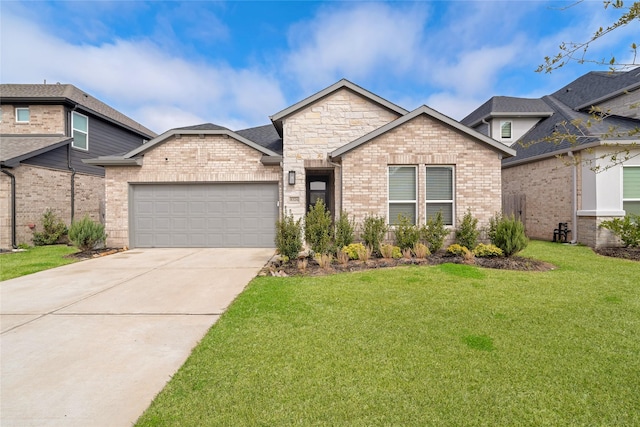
15 148
507 105
597 86
69 93
265 136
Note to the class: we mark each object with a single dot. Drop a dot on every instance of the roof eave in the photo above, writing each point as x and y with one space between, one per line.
554 153
271 160
630 88
499 115
113 161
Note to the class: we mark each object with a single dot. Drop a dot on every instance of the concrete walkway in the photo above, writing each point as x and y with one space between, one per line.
92 343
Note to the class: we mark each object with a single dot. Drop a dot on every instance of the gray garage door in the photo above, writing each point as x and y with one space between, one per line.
203 215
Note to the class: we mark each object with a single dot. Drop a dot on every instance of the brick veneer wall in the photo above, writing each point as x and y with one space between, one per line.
422 141
187 159
547 186
43 119
39 189
315 131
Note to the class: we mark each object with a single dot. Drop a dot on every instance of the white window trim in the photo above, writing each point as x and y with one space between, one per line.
73 129
22 108
389 202
622 186
453 194
502 122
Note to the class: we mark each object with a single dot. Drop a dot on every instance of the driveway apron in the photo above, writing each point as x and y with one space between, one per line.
92 343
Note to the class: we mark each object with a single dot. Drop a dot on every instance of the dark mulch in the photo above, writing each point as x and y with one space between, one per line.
313 268
96 253
626 253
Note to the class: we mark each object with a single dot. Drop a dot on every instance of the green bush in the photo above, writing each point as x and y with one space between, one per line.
353 250
487 251
467 233
344 230
406 233
373 233
434 232
86 233
493 224
318 228
509 235
289 236
627 229
457 249
53 230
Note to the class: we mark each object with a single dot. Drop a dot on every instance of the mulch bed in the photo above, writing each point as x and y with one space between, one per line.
277 268
626 253
97 253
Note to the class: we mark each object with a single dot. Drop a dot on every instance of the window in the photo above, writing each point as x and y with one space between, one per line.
505 130
80 126
440 192
22 115
631 189
402 193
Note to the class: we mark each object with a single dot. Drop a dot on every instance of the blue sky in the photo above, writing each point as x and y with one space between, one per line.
170 64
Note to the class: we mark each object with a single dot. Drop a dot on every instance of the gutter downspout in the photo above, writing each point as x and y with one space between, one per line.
73 183
574 199
485 122
14 244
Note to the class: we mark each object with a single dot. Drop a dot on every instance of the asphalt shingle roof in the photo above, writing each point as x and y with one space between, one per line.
265 136
14 148
595 85
507 105
67 92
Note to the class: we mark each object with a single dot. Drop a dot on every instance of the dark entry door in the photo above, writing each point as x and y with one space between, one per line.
320 187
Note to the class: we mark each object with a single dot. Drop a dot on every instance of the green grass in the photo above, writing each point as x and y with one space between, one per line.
35 259
450 345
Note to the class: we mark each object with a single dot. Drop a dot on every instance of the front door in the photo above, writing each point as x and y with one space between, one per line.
320 187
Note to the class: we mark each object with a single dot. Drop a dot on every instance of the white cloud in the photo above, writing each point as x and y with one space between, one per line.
138 77
359 41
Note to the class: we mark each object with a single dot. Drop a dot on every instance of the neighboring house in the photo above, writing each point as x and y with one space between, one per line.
208 186
45 132
547 183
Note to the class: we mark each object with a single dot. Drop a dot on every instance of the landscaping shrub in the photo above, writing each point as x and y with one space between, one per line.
289 236
374 230
52 230
627 229
434 232
406 233
343 257
324 260
421 251
353 250
493 224
458 250
487 251
509 235
318 228
467 233
344 230
390 251
364 253
86 233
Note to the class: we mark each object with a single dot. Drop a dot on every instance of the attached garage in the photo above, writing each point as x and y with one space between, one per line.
203 215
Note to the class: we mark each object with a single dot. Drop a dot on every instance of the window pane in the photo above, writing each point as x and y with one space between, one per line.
445 208
407 209
80 140
402 183
80 122
439 183
631 208
22 114
631 180
505 130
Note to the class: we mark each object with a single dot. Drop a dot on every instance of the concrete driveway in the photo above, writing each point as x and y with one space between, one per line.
91 344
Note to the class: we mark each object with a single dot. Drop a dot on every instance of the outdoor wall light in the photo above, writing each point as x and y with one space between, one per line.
292 177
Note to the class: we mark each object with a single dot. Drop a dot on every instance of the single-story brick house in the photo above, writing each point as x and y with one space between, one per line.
208 186
547 183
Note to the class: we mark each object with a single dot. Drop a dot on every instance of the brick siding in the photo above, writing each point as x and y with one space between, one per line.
43 119
187 159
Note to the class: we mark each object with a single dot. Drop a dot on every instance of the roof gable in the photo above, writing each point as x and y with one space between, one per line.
507 106
16 148
424 110
342 84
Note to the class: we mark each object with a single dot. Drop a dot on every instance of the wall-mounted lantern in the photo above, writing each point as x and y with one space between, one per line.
292 177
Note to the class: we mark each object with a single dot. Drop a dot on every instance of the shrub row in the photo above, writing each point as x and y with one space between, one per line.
84 234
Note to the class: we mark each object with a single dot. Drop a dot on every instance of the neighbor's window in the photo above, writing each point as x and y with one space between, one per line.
440 190
80 126
402 193
631 189
22 115
505 130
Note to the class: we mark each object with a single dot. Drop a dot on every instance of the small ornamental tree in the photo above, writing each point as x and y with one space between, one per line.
374 229
289 236
53 230
509 235
467 233
344 231
318 228
406 233
434 232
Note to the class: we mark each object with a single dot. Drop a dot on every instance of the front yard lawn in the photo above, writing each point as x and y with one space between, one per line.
16 264
451 345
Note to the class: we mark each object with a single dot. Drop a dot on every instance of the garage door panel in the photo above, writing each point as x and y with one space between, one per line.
204 215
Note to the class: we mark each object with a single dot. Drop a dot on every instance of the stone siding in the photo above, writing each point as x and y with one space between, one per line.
547 187
313 132
39 189
43 119
626 105
185 159
420 142
592 235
